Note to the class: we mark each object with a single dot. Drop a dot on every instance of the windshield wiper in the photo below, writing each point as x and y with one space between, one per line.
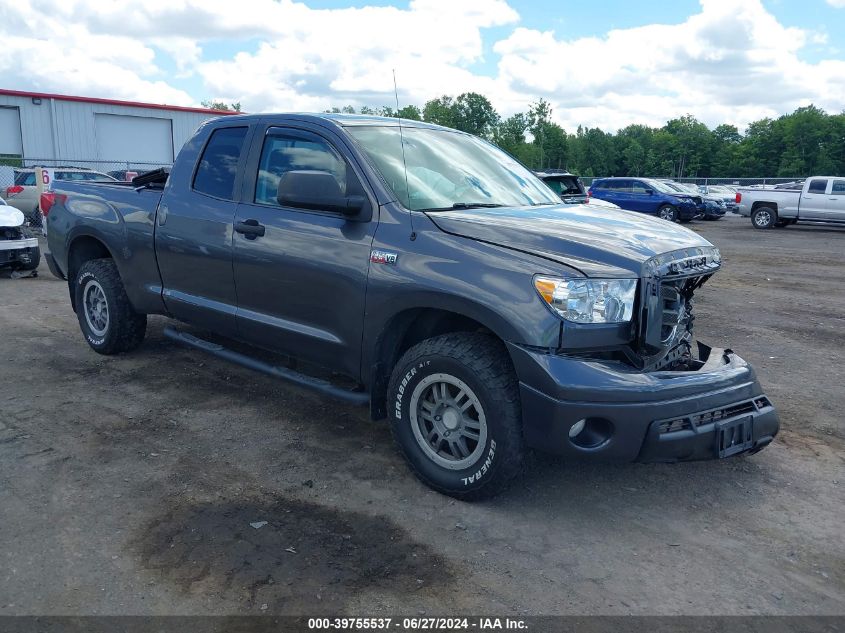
467 205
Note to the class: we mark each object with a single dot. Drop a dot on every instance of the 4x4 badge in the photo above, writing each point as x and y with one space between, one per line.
383 257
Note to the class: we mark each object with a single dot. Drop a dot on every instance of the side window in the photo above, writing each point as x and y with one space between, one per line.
623 186
282 154
817 186
638 187
218 164
838 187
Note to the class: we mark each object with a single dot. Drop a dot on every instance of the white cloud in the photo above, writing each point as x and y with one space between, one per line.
837 4
729 62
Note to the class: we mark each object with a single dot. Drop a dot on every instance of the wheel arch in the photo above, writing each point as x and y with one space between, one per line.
404 330
83 248
760 203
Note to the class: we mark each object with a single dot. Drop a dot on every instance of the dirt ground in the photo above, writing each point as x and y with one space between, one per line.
128 484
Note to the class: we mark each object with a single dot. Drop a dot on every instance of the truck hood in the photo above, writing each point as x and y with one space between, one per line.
598 242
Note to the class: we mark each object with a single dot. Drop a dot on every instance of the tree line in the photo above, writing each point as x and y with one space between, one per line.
806 142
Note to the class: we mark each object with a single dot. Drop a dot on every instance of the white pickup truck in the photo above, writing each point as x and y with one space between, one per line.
821 200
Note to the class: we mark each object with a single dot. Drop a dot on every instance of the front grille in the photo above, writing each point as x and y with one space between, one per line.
697 420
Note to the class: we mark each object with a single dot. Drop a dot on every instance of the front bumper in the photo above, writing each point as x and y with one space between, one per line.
18 252
714 212
690 212
662 416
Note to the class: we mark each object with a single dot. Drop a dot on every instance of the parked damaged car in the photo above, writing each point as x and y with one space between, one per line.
19 250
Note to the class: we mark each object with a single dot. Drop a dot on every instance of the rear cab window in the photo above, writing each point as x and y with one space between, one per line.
818 185
218 165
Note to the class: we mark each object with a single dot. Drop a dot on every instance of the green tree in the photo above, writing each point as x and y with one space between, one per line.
440 111
220 105
509 134
473 113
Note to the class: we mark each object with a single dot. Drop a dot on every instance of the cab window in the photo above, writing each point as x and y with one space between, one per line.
292 152
818 186
218 165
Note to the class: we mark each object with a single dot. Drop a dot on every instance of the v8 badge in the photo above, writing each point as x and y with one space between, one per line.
383 257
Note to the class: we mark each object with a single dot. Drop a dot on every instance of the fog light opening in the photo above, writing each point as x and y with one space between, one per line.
590 432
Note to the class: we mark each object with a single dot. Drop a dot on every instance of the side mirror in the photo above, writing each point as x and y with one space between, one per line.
650 192
319 191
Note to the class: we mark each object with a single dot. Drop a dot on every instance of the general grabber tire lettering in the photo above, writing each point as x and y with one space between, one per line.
455 414
106 317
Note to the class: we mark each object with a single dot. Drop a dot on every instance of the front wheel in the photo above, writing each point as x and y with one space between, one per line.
106 317
456 416
669 213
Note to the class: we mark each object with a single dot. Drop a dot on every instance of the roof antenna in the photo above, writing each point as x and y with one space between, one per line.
404 163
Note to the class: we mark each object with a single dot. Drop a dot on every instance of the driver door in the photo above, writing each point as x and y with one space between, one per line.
300 275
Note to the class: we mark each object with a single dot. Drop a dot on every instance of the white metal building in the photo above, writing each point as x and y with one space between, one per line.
48 128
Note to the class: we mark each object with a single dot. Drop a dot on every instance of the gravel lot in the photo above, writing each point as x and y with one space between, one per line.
128 484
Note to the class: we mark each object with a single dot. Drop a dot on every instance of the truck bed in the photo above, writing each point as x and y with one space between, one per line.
113 213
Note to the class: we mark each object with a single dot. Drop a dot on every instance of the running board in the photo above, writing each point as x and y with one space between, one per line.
301 380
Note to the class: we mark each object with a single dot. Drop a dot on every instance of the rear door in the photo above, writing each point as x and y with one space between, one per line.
301 284
619 193
194 233
836 201
813 204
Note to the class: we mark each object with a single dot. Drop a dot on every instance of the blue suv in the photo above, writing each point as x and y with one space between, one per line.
648 196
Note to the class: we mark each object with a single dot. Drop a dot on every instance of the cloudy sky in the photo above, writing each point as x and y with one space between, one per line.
602 63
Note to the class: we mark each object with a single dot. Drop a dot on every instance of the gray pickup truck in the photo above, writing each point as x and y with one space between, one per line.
462 299
820 201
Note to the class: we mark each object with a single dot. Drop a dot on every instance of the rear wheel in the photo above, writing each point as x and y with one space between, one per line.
668 212
106 317
455 414
764 217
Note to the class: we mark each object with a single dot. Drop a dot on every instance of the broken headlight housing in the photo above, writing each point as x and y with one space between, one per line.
583 300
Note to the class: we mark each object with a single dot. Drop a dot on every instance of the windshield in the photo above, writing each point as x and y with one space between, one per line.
665 187
446 170
717 189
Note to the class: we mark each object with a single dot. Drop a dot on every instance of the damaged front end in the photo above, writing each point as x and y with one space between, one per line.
18 249
664 340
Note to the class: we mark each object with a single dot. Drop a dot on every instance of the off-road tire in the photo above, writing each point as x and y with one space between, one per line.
764 218
669 213
483 364
125 328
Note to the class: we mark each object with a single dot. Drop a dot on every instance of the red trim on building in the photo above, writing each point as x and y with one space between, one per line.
132 104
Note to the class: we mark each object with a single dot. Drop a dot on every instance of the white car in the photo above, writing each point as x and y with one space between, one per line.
18 250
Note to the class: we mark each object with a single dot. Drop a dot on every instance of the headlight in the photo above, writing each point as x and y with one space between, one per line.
589 300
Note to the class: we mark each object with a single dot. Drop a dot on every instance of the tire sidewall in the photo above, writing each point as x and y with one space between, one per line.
772 218
485 467
88 273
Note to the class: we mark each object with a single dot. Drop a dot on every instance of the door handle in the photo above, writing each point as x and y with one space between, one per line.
250 229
